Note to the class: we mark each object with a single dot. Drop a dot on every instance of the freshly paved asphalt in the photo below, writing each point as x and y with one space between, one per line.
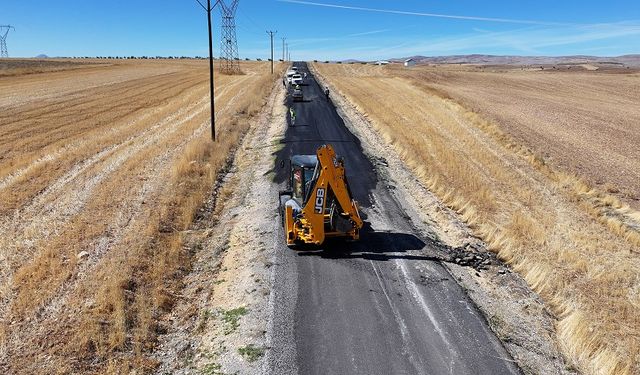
377 306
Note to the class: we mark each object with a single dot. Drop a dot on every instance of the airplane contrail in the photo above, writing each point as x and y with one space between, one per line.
369 32
472 18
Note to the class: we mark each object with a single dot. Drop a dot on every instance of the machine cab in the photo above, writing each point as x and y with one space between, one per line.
303 170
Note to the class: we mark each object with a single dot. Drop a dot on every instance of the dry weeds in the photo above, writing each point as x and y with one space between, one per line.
100 179
558 115
536 218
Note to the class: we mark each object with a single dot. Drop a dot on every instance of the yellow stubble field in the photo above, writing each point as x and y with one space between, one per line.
102 167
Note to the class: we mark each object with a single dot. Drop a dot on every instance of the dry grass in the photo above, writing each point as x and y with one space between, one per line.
117 168
535 217
559 115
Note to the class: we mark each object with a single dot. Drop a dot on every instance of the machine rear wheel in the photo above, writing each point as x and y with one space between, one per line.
281 206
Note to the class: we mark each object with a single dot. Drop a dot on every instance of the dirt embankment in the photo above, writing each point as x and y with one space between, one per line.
102 172
544 222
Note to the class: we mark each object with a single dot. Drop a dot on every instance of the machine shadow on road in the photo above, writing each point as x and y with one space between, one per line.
376 246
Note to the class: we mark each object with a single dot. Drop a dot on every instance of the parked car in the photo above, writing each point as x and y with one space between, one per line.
290 74
297 79
297 95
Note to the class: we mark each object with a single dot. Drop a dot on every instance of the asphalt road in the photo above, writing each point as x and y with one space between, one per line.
377 306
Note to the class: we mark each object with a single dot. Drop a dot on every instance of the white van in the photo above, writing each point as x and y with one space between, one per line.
290 74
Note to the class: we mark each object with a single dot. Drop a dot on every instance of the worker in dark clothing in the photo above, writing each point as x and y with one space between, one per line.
292 113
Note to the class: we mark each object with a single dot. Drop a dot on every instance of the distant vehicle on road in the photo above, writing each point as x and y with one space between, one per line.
296 79
290 74
294 68
297 95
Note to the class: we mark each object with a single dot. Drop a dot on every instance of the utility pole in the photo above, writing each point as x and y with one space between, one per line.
208 9
271 35
3 40
283 56
287 58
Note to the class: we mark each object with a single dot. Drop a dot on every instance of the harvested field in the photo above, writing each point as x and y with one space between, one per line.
102 170
16 67
559 115
576 246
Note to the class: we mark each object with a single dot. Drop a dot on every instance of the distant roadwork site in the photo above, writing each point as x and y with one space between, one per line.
485 219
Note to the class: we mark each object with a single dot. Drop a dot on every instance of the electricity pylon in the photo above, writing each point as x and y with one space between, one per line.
229 47
3 39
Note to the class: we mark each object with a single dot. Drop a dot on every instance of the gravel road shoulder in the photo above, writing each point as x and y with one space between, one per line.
220 324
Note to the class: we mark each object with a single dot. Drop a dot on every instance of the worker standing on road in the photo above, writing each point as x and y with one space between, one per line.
292 113
326 93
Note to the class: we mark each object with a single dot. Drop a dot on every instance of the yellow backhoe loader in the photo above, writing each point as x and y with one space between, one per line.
318 204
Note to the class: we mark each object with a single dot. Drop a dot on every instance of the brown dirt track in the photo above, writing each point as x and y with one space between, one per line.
101 170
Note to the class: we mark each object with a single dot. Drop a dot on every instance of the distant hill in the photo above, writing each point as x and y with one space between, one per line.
42 56
627 60
351 61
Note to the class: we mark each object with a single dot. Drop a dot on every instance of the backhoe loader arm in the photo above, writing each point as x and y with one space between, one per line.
330 178
336 179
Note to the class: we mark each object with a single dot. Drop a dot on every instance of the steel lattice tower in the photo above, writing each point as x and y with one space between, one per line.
3 40
229 63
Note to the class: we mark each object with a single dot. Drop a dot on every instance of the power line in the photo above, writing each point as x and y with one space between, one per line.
206 9
255 25
250 27
248 30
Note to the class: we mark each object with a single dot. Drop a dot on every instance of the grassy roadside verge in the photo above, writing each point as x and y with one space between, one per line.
122 326
530 214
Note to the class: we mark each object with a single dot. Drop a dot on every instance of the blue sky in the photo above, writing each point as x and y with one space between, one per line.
326 29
